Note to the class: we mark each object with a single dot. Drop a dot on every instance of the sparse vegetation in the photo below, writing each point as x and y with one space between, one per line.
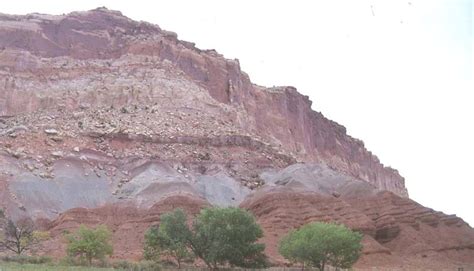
42 263
220 237
49 267
89 244
321 244
23 259
20 236
137 266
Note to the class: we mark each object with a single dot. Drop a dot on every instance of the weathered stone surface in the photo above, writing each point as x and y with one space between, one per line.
127 222
399 233
108 120
84 61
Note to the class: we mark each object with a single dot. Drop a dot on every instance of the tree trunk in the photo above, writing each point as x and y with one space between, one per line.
322 265
18 247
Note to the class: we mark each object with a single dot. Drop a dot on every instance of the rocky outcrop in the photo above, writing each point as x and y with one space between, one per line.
105 120
100 59
127 222
409 241
398 232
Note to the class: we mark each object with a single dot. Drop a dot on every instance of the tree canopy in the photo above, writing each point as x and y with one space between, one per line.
227 235
89 244
219 236
169 239
319 244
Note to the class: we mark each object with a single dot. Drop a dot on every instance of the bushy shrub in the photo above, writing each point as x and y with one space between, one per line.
23 259
136 266
122 264
72 261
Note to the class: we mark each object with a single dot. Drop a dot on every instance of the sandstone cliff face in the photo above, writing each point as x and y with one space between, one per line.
101 59
108 120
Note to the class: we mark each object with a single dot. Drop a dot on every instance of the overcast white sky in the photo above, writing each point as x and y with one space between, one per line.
397 74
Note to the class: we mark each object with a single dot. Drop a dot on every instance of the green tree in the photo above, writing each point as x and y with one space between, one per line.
89 244
170 238
151 248
319 244
227 236
219 236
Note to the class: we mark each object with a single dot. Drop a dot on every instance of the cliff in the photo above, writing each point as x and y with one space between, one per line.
102 59
105 120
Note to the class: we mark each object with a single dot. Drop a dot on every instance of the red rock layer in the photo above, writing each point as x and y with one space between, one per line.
127 223
399 233
41 51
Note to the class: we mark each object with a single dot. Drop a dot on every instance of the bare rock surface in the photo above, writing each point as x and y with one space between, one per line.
99 73
106 120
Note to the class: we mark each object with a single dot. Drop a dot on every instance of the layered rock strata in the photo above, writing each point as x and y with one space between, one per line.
105 120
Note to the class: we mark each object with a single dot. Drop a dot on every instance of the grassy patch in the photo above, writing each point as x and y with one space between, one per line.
44 267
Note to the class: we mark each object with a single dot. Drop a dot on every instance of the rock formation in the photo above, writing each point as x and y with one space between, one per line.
107 120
